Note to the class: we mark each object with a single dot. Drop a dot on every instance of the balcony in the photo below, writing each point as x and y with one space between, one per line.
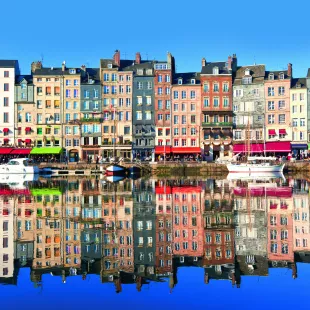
91 134
91 120
219 124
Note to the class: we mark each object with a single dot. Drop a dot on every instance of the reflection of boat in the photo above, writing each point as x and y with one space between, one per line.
114 178
17 180
20 166
248 176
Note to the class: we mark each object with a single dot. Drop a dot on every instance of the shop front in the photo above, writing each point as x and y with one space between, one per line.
299 150
47 154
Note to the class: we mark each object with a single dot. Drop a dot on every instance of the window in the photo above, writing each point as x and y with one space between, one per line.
301 96
183 94
175 119
6 74
106 89
256 92
206 102
193 94
225 87
281 118
76 82
28 117
295 122
167 91
148 115
271 119
270 91
138 115
215 102
139 85
6 87
281 76
215 87
6 101
139 100
281 91
149 85
238 93
302 122
126 130
270 105
183 119
281 104
160 78
226 103
167 117
5 117
238 135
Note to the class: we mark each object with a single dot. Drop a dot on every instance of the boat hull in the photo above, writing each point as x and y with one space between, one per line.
116 170
239 168
8 169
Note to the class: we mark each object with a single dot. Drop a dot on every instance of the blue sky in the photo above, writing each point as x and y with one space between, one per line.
81 32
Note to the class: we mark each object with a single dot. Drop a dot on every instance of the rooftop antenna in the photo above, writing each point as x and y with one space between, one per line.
42 58
254 61
147 56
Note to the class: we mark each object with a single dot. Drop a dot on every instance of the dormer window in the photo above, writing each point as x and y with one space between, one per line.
271 76
149 71
140 71
281 76
180 81
193 81
72 71
23 86
298 85
246 80
247 71
109 66
215 70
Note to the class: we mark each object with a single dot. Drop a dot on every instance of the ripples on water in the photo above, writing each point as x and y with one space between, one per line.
159 243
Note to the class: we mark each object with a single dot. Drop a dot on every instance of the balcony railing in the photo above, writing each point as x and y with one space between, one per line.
90 120
219 124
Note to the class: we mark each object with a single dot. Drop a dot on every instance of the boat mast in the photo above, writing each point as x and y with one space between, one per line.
114 141
247 141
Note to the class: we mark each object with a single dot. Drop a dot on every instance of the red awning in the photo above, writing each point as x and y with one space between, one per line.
6 130
5 150
272 132
19 128
162 149
28 128
255 148
186 189
20 140
20 152
280 192
6 139
278 147
28 140
183 150
282 132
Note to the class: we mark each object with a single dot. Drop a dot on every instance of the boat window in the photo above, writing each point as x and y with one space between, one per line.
25 162
13 162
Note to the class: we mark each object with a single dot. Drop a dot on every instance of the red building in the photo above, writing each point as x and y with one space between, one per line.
216 105
164 71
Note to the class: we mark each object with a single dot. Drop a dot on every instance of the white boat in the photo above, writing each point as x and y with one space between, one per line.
255 176
114 179
20 166
256 164
17 181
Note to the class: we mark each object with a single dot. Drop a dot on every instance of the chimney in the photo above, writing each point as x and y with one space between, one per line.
63 66
117 58
229 63
138 58
203 62
290 70
234 62
83 70
36 65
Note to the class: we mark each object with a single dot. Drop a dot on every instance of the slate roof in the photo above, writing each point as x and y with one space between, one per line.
55 71
256 71
93 74
186 78
301 81
208 68
8 63
28 78
276 74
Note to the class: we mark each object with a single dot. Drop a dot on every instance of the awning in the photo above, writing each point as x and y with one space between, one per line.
57 127
46 150
278 146
5 150
272 132
6 130
162 149
186 189
20 140
301 146
282 131
27 140
19 128
20 152
45 191
163 190
255 148
6 139
183 150
28 129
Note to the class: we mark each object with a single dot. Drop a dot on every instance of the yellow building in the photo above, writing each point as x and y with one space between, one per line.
298 98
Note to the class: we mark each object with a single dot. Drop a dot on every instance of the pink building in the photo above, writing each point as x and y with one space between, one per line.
186 111
280 224
188 226
277 110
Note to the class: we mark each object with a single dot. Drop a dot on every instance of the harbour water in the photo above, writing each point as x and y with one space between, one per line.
71 243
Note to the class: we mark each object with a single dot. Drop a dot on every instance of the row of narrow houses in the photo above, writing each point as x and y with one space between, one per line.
142 108
151 228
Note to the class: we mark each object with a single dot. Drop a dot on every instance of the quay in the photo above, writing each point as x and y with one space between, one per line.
163 169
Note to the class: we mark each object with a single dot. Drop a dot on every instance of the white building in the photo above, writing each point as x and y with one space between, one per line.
8 70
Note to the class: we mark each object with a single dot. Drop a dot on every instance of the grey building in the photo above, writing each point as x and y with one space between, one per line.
91 114
144 229
24 89
308 103
143 116
248 104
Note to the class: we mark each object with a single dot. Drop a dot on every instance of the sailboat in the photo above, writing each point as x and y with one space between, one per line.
114 169
257 164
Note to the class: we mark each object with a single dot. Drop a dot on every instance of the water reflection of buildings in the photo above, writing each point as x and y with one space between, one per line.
136 232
